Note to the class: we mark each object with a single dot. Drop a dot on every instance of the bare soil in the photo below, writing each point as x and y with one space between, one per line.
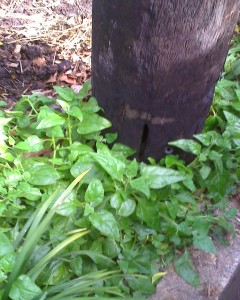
43 43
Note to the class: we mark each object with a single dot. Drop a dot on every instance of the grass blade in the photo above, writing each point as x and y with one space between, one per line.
34 272
39 227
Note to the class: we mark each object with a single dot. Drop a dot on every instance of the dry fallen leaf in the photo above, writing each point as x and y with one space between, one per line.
39 61
67 79
12 65
16 52
17 49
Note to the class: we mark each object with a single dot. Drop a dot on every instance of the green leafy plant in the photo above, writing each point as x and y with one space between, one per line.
116 232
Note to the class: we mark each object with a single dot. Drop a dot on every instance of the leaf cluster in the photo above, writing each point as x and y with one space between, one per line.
136 217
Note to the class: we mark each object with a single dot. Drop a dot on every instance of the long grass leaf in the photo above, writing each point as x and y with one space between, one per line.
34 220
41 212
92 255
34 272
32 239
92 278
86 288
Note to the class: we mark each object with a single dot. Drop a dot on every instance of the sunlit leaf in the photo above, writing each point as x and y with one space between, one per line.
158 177
105 222
24 289
92 123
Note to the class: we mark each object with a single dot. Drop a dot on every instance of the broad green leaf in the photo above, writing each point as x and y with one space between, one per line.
31 144
68 206
84 90
111 137
159 177
113 166
218 182
148 212
95 193
3 207
143 231
185 228
105 222
204 243
12 177
205 171
204 138
231 213
97 246
143 285
171 161
91 106
41 174
211 122
92 123
6 246
201 225
11 141
77 149
51 120
76 112
187 145
83 164
228 226
189 183
65 106
132 169
55 131
65 93
232 120
43 113
29 192
7 156
116 201
127 208
138 260
57 161
122 150
235 69
76 265
141 185
111 248
4 121
172 207
23 121
236 105
3 277
56 273
217 158
24 289
40 99
185 269
213 138
88 210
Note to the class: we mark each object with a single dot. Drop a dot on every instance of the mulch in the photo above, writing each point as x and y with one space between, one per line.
36 67
42 44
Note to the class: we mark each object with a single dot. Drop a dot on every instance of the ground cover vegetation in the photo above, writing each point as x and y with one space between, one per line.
80 218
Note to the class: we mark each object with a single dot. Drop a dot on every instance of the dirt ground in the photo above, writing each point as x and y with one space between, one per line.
43 43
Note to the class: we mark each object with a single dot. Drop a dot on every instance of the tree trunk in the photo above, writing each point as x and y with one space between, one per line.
155 65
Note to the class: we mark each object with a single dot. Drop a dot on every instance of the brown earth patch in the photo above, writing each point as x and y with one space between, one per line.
43 43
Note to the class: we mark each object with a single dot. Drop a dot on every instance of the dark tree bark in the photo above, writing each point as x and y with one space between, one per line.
155 64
